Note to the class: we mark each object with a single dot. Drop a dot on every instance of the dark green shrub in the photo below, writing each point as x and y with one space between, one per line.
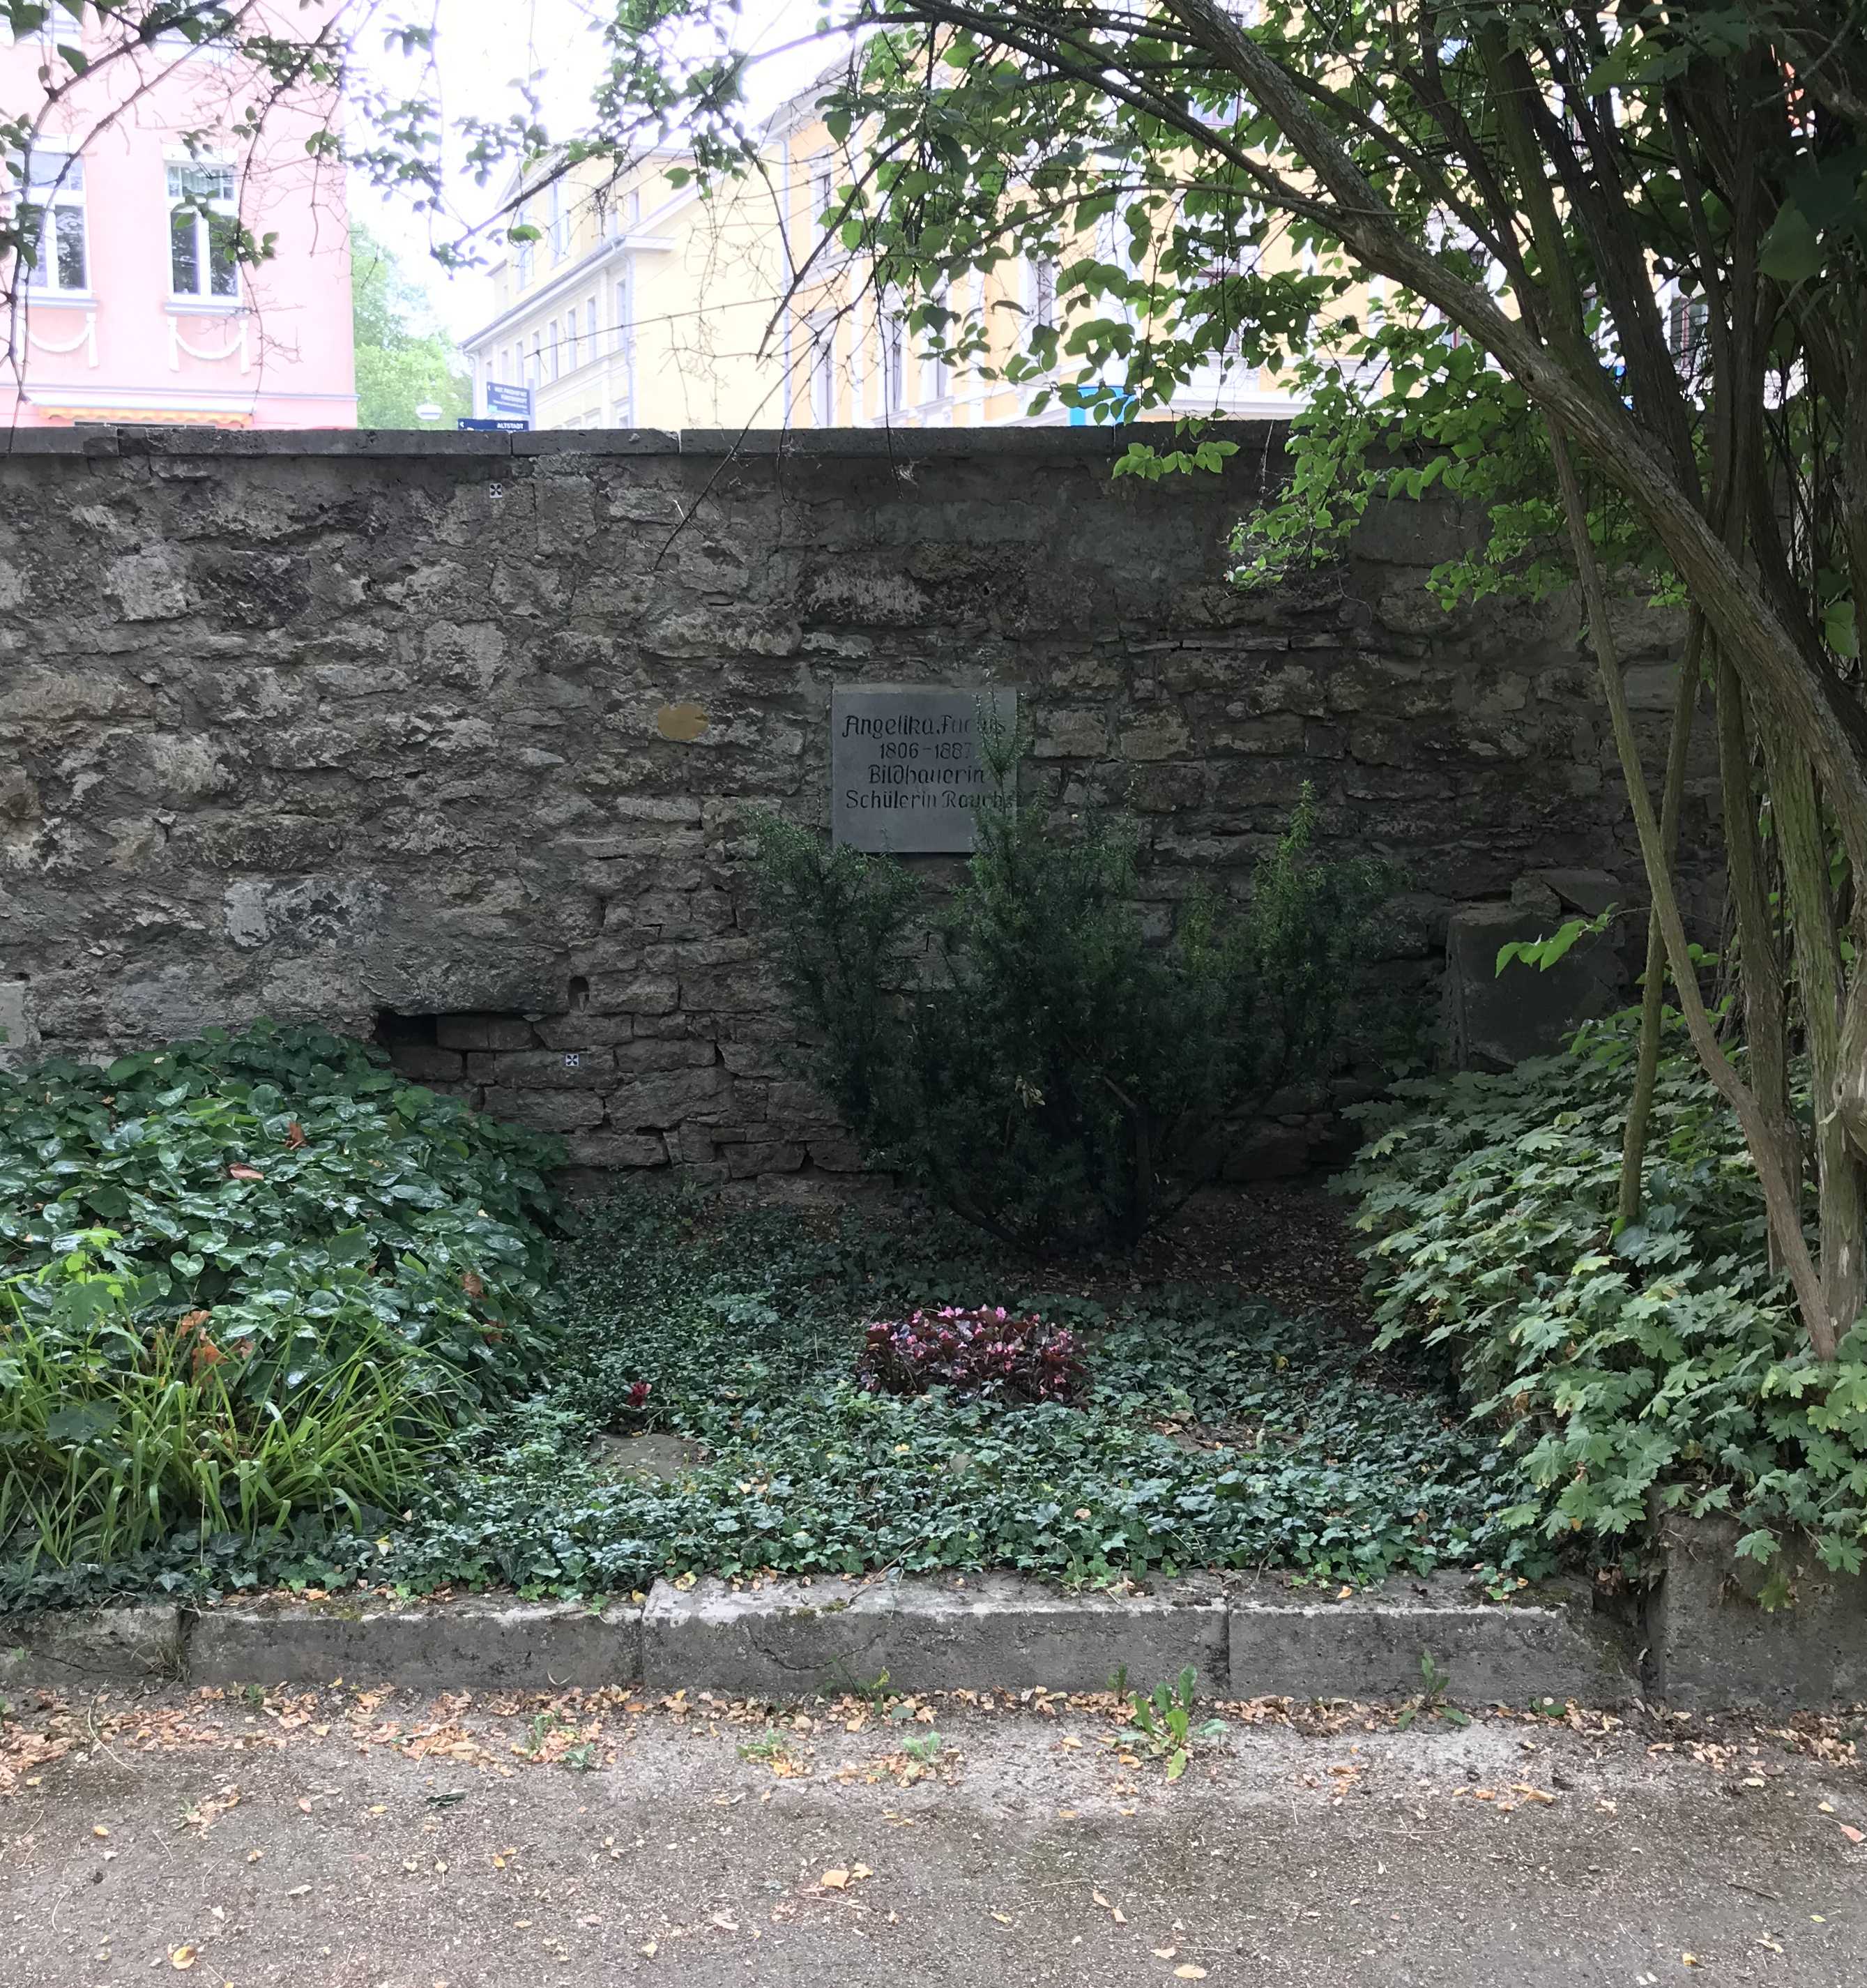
246 1278
1052 1075
1664 1361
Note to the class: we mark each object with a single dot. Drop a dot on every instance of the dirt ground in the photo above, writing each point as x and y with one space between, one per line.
368 1839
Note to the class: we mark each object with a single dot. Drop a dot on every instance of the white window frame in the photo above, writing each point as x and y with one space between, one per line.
524 258
894 359
1041 291
224 207
65 192
551 349
936 374
622 375
534 364
823 373
572 361
557 229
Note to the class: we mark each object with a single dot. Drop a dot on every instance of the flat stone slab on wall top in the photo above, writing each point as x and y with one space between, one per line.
1370 1646
996 1632
83 1647
476 1644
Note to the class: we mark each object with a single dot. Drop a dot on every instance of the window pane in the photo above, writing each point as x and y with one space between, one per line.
224 273
184 254
48 172
68 224
202 183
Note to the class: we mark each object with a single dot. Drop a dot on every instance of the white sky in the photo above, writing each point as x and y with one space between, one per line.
484 50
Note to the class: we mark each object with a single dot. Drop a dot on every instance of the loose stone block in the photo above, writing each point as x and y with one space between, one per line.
1712 1647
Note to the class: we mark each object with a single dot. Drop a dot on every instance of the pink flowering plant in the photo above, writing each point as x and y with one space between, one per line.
986 1353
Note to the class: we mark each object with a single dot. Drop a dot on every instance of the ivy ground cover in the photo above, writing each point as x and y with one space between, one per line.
1206 1431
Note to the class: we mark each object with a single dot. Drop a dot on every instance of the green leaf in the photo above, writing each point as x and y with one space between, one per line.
1790 252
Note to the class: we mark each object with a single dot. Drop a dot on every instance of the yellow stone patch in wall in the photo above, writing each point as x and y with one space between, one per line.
684 721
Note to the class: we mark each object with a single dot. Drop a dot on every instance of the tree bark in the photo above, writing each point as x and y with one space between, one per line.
1779 1180
1653 995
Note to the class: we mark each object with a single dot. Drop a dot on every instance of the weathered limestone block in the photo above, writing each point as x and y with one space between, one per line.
655 1103
1495 1020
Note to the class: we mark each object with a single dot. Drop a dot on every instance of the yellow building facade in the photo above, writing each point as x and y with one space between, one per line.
644 303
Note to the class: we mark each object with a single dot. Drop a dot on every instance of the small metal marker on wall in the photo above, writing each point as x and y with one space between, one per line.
908 770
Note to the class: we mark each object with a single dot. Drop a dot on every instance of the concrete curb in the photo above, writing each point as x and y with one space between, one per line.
792 1639
477 1644
90 1646
996 1632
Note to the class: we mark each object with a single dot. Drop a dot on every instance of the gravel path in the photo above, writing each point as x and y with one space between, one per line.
374 1840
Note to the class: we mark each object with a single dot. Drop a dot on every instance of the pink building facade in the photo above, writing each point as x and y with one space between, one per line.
136 308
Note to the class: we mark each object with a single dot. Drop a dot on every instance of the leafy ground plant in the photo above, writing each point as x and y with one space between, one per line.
1660 1362
986 1351
1432 1701
1210 1432
248 1284
1162 1720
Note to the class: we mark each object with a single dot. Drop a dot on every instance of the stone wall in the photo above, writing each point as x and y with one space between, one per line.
447 738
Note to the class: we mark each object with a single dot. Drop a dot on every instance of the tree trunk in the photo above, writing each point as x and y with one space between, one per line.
1653 996
1778 1170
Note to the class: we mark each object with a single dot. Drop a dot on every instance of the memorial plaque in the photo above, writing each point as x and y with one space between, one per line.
906 769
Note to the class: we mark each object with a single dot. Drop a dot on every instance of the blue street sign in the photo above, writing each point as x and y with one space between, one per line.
513 403
491 427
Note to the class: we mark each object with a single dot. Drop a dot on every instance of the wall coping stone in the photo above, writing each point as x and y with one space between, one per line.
1093 444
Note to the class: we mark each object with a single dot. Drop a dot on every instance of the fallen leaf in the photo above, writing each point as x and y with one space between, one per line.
1851 1834
182 1958
244 1173
835 1881
295 1135
304 1803
98 1829
1188 1972
1165 1952
1688 1960
648 1945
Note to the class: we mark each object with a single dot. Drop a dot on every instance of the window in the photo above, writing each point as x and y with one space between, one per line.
571 361
522 256
1687 319
822 189
551 349
935 383
201 230
55 202
589 325
823 373
532 362
894 361
558 231
624 311
1043 292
